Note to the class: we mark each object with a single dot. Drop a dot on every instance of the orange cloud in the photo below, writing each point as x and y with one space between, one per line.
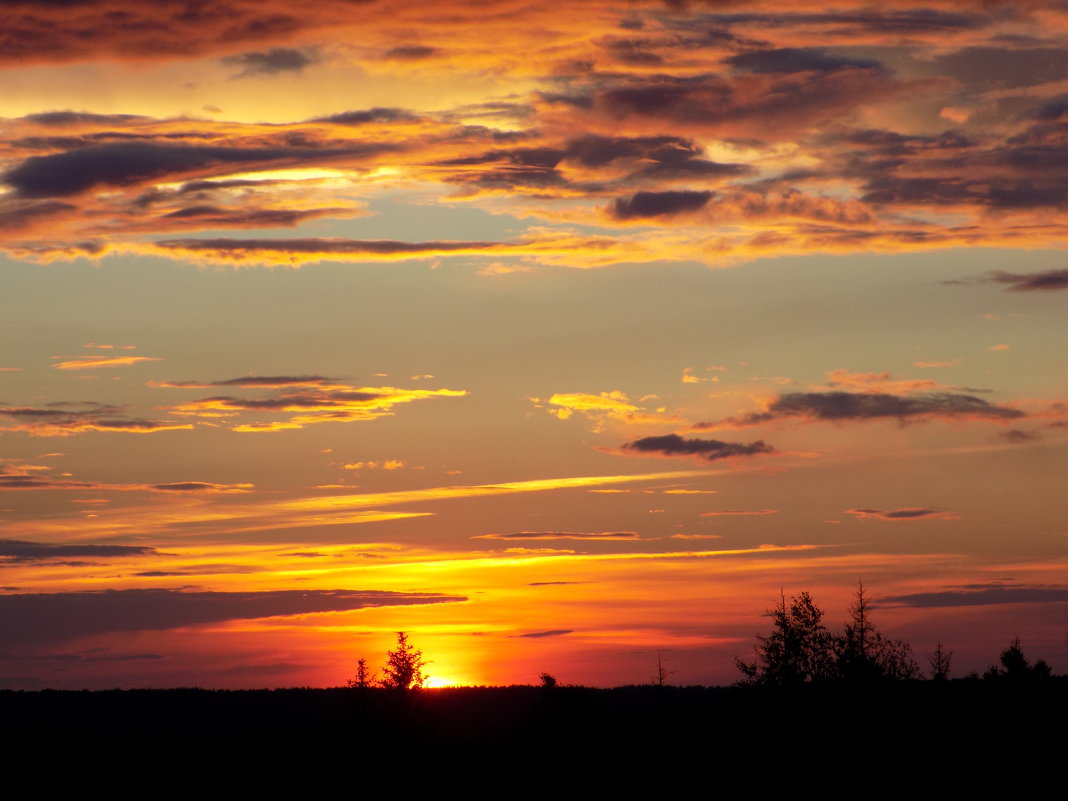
90 362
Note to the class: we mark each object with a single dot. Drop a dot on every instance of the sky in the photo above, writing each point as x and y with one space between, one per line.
560 336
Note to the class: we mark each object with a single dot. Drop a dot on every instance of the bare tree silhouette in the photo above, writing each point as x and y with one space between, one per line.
939 660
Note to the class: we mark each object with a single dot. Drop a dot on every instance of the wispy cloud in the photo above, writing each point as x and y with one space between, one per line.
92 362
561 535
903 515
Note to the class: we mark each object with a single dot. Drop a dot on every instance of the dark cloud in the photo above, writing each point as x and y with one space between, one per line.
1053 110
410 53
659 204
837 406
216 217
553 583
902 514
635 52
21 482
561 535
128 163
293 401
798 60
987 597
58 616
550 633
707 449
510 169
597 151
66 119
251 381
23 551
766 104
96 417
194 486
1019 437
1048 281
27 214
864 21
377 114
323 245
271 62
1004 67
200 570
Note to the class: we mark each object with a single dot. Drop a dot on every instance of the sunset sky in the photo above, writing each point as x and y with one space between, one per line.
555 334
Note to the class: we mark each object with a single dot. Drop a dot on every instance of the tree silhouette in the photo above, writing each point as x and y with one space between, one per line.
798 649
1015 667
363 677
404 666
863 654
939 660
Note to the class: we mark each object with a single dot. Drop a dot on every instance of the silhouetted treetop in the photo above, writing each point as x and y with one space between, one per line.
800 650
1015 667
404 666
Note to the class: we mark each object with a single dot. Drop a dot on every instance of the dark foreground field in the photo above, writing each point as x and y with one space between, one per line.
915 717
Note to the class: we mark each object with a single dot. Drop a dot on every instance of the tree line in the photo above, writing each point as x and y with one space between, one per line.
801 650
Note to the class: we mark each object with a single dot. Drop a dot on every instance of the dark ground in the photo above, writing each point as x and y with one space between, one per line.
918 716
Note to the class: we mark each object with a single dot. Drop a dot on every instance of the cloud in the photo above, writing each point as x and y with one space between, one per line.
63 419
271 62
376 114
24 481
14 551
903 515
124 164
410 53
198 486
1048 281
843 406
92 362
600 409
561 535
1019 437
708 450
271 381
881 383
984 597
309 403
550 633
740 512
802 59
659 204
66 615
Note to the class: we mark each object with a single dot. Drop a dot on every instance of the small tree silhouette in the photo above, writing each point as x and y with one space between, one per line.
864 654
404 666
939 659
547 680
660 679
363 678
